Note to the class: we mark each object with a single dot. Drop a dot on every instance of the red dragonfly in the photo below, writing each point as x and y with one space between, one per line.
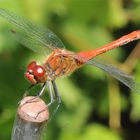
61 61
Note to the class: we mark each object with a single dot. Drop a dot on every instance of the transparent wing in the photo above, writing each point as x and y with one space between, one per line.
30 42
118 74
42 39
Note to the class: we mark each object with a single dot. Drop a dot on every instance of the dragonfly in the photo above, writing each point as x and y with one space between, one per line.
60 61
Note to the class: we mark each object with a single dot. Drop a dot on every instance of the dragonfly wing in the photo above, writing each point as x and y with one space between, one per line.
30 42
118 74
46 39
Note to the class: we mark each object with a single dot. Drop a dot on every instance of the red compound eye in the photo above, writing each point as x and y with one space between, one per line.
31 66
39 71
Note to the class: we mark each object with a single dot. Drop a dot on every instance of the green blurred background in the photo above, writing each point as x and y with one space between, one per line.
94 105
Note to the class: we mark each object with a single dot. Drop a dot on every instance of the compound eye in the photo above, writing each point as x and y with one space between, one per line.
39 71
31 66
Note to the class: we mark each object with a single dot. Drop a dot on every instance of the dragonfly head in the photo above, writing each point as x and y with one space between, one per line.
35 73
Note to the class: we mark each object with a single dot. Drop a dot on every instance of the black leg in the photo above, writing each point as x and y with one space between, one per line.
52 100
38 95
27 90
56 92
42 89
57 96
40 92
54 95
26 93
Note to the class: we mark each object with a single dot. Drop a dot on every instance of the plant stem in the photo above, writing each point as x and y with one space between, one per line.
31 118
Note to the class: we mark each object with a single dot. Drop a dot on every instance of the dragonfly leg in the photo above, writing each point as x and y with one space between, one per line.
52 99
40 92
27 91
38 95
54 95
42 89
57 96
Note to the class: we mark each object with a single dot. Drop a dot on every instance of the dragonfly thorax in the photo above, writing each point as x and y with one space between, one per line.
61 63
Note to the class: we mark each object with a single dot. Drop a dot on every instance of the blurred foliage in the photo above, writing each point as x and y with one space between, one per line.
92 104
